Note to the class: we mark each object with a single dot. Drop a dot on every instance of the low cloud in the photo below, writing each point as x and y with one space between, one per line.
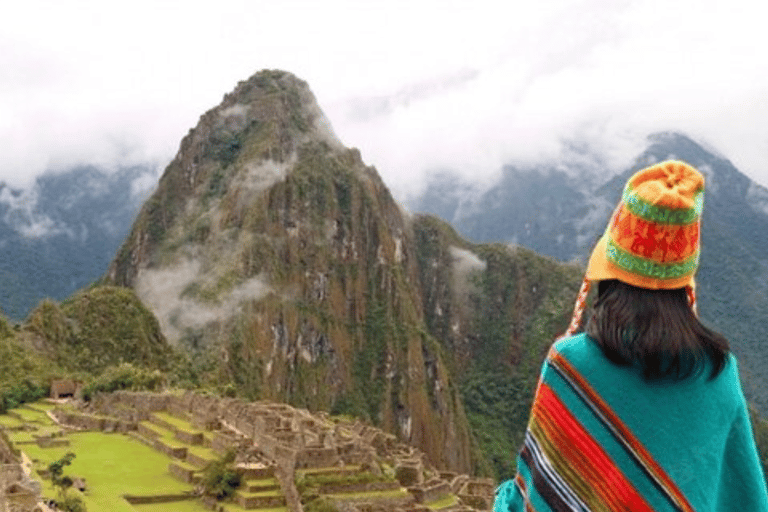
21 214
163 291
467 266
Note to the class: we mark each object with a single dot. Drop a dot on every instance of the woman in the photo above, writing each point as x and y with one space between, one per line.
644 411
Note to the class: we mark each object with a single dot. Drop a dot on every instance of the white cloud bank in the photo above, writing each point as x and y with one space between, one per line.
414 85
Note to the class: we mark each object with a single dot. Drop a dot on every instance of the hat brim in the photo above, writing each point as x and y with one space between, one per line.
600 268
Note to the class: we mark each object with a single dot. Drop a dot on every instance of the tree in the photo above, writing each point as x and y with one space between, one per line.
56 470
63 483
220 478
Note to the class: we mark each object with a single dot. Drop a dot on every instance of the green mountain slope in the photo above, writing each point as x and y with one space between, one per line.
95 329
496 310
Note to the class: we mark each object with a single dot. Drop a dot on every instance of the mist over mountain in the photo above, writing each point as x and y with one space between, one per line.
59 235
557 213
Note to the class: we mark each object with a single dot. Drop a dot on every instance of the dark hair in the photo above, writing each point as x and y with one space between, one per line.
655 330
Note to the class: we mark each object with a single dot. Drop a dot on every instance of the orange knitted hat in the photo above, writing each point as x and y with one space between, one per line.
652 239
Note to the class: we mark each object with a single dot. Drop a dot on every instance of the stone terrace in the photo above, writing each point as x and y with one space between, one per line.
277 445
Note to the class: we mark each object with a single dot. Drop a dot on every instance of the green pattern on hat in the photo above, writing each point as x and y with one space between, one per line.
660 214
650 268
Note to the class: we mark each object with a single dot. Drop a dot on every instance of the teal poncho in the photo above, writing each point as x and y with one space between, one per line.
601 438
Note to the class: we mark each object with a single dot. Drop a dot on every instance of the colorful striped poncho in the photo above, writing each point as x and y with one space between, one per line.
601 438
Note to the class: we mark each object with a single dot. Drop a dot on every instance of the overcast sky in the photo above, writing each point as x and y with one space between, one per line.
415 85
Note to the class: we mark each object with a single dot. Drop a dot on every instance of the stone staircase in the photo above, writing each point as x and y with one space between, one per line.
194 449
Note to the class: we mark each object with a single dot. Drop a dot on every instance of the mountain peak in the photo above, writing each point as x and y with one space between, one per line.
241 147
270 114
272 244
277 96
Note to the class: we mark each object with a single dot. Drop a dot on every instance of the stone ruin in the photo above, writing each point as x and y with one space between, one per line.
280 440
65 388
18 491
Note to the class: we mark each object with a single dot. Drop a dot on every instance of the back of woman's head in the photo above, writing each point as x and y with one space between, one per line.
655 331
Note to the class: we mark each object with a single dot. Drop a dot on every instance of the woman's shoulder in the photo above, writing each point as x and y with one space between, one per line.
577 347
584 354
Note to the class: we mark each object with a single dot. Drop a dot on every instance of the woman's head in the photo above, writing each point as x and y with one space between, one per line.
654 330
645 263
652 239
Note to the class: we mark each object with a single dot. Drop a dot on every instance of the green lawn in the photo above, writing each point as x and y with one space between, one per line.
113 465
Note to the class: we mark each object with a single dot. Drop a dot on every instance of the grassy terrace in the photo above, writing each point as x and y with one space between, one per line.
157 429
352 468
30 415
262 483
112 465
24 436
40 406
444 503
203 452
397 493
177 422
261 494
9 422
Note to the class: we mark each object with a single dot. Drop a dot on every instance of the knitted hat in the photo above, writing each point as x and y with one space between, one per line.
652 239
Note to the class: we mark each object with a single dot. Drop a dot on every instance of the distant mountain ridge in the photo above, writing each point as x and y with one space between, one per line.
561 216
59 235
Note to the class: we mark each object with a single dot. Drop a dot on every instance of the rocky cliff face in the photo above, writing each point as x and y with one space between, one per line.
271 242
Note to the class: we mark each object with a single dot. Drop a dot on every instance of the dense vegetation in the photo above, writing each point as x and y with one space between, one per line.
103 337
496 311
98 328
220 479
24 373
